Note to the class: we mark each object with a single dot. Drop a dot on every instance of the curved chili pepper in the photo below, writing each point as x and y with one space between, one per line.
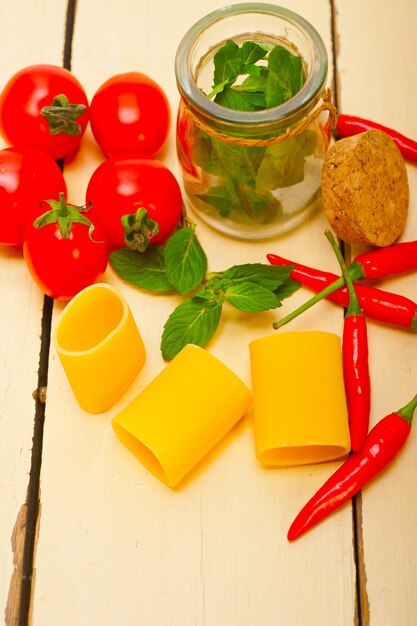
377 304
348 125
355 360
382 445
381 262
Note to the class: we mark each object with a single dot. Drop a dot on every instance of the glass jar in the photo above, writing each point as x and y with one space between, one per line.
251 174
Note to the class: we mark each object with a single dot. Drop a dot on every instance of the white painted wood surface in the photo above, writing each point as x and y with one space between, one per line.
115 546
22 44
375 62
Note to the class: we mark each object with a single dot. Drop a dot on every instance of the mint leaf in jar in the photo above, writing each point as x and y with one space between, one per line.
285 76
240 162
231 61
283 163
254 77
241 101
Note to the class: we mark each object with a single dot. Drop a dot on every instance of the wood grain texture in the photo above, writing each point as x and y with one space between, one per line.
31 33
115 545
375 66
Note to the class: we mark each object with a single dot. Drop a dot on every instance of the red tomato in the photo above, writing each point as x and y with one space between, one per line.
60 266
27 176
129 114
22 99
122 185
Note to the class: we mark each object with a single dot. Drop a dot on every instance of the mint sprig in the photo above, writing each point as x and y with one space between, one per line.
181 266
250 288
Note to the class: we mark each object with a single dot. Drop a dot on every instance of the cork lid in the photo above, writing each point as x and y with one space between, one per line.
365 189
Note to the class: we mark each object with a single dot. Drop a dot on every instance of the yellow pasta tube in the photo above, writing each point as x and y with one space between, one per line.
299 402
99 346
182 414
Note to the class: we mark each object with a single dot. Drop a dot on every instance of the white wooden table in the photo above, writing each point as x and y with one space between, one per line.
108 543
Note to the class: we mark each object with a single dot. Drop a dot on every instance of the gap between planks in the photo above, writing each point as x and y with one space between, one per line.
362 611
26 528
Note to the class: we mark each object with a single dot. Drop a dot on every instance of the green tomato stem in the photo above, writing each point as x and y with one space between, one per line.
61 116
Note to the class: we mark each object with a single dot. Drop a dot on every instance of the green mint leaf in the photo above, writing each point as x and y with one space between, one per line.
259 207
283 163
240 101
253 70
214 290
274 94
217 89
251 52
206 294
282 78
224 198
298 74
254 82
286 76
230 62
243 203
259 274
142 269
307 141
251 297
234 68
185 261
266 46
204 154
193 321
240 162
288 287
221 60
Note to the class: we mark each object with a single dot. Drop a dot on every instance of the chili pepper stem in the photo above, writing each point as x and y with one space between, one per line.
353 307
407 411
356 271
337 284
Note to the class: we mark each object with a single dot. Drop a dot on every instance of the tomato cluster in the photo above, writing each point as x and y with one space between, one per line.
44 112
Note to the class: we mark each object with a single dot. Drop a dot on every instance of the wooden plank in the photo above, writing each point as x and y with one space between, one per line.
115 545
375 61
31 33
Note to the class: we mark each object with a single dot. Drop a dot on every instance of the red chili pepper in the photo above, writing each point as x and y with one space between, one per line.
348 125
355 360
377 304
383 443
382 262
